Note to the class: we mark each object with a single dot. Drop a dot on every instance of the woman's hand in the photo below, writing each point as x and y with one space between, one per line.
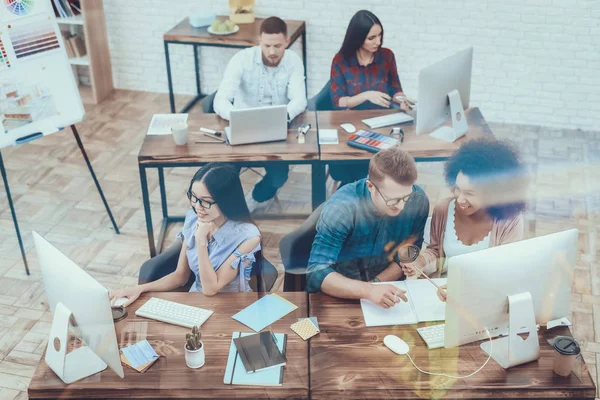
408 270
442 293
378 98
132 293
203 231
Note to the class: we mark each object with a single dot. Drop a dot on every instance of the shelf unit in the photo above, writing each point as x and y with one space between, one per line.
97 59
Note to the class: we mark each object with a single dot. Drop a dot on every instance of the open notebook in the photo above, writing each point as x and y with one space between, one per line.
423 305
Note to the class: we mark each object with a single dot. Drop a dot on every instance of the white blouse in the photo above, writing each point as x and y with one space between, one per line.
452 244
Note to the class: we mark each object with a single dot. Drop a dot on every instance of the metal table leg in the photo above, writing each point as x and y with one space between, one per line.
169 79
147 211
319 189
304 60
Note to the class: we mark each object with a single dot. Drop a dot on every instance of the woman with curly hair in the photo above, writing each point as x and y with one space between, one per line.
488 184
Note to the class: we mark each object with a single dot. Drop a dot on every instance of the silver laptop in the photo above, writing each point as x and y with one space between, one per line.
256 125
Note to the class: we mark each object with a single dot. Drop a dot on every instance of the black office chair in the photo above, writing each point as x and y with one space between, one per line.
207 104
262 279
323 100
295 251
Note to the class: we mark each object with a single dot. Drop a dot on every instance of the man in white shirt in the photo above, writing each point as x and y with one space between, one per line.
265 75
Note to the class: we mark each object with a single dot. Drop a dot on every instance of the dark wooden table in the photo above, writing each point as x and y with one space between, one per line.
169 377
248 35
423 148
350 361
161 152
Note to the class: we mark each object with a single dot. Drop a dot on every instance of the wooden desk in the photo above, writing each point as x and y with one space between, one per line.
169 377
247 36
423 148
350 361
161 152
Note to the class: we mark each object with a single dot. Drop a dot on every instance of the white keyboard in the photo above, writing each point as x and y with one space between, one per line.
173 313
387 120
433 335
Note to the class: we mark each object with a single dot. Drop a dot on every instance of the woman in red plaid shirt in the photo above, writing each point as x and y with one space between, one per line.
363 76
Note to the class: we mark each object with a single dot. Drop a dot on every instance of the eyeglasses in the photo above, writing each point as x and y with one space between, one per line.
195 200
393 202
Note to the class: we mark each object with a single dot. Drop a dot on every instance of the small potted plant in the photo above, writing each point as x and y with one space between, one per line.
194 349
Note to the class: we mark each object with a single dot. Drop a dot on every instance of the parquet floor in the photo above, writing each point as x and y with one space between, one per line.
54 194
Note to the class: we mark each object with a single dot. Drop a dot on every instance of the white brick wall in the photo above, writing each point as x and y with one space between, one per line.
536 61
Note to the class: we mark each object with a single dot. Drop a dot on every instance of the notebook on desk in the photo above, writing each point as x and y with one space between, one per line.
423 305
236 374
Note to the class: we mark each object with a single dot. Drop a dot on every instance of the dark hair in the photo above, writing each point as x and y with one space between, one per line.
496 165
358 30
223 184
394 163
273 25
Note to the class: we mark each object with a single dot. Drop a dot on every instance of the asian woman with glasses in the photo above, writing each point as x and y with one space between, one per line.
219 241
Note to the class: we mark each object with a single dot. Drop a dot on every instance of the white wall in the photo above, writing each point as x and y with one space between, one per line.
536 61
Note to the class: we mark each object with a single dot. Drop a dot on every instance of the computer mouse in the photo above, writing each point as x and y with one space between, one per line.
395 344
348 127
120 301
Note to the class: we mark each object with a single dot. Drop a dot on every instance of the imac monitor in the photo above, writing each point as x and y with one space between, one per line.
444 91
479 284
70 290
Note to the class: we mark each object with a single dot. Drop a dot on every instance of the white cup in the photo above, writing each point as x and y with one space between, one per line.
180 133
194 358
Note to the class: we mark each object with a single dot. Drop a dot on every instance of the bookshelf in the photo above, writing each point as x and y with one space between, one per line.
95 64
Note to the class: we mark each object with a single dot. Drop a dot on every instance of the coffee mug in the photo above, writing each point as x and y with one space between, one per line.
567 350
180 133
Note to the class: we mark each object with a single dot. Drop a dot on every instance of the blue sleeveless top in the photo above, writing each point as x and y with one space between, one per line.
223 244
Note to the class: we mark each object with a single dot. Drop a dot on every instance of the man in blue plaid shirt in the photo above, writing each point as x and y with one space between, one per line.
361 228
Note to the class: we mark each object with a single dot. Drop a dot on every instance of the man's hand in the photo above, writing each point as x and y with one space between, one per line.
386 296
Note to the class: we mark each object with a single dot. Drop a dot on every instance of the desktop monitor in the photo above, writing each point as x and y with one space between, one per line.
479 284
444 91
70 290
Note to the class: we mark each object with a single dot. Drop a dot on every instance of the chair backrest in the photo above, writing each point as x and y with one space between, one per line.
263 275
323 100
295 251
208 104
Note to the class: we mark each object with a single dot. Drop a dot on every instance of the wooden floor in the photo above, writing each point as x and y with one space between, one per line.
55 195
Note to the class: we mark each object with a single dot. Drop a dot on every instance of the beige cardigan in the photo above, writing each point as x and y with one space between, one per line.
503 231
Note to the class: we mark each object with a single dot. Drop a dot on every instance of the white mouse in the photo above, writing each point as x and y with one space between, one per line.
348 127
395 344
120 301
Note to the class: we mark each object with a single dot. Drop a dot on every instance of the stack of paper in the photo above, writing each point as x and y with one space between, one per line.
264 312
139 356
161 123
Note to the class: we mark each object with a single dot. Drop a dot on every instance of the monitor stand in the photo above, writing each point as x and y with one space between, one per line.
459 122
79 363
513 350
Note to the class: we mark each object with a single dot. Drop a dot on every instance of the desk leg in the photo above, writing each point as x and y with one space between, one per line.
319 190
197 65
147 211
304 60
14 215
163 192
169 78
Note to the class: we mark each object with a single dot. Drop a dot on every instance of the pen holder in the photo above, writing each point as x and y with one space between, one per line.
194 358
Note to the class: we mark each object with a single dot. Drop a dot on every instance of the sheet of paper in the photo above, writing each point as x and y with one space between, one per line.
161 123
558 322
401 314
328 136
425 301
139 353
264 312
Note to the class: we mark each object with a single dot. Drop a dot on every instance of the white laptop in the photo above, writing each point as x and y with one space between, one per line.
256 125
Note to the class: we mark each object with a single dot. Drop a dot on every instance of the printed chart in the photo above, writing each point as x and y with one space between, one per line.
19 7
28 40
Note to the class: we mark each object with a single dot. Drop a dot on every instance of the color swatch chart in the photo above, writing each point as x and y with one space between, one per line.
371 141
28 40
4 61
19 7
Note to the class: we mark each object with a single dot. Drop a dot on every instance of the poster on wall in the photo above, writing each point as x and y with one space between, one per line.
38 91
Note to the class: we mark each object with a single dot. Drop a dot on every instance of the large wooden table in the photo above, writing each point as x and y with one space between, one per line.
350 361
161 152
169 377
248 35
